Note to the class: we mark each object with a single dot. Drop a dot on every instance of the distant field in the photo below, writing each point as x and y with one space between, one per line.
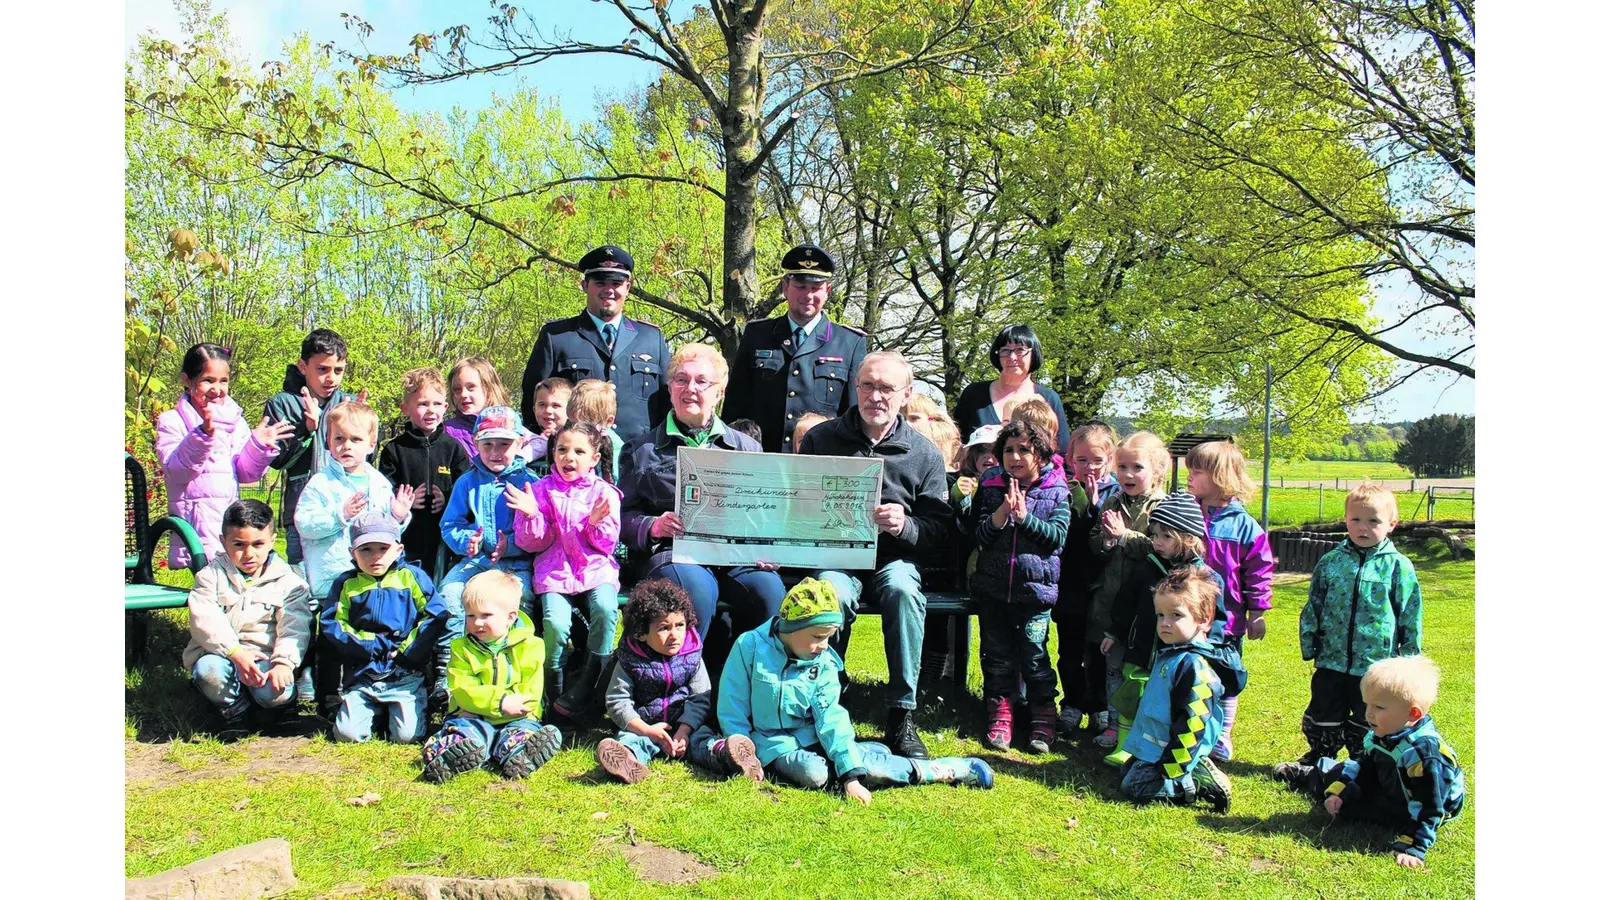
1320 469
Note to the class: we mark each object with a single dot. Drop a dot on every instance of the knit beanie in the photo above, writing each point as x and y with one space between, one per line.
1181 513
808 604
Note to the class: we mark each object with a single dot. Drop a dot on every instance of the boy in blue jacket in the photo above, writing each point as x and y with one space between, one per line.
383 623
1180 712
1406 775
780 689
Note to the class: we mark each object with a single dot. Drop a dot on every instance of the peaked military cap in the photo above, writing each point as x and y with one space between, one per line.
808 263
606 258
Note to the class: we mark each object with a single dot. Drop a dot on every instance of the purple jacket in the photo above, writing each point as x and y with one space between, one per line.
1237 550
203 473
660 683
573 556
1021 562
460 428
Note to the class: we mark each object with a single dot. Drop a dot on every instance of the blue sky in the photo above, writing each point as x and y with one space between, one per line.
577 83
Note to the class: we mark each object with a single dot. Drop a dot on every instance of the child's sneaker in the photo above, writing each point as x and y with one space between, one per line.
1223 751
739 752
616 758
999 728
1295 773
1106 739
968 770
526 751
1071 718
1212 785
1100 721
1043 732
450 753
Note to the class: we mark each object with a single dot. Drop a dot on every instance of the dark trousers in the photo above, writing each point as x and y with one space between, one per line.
1336 700
1082 666
1014 637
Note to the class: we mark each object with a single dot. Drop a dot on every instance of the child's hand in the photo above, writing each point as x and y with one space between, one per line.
205 420
421 498
1407 861
270 433
474 542
519 500
354 505
514 705
1112 524
658 733
1332 804
680 741
308 410
1002 515
361 396
1091 486
404 499
666 525
1257 627
437 493
499 548
856 789
280 676
1017 500
244 662
600 511
1106 645
965 485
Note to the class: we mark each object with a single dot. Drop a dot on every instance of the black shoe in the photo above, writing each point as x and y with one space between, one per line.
902 736
574 701
1213 786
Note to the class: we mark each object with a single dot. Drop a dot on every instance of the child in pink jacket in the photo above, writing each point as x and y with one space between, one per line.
571 518
207 448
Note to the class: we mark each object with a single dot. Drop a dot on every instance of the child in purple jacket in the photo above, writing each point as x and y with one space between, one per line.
571 519
1237 550
207 448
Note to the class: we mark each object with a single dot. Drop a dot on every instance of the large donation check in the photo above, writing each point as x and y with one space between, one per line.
781 508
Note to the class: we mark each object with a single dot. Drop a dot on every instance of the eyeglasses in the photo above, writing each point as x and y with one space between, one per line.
1014 352
870 389
700 384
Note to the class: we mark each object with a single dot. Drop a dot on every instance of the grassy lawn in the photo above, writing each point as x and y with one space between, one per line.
1328 470
1053 823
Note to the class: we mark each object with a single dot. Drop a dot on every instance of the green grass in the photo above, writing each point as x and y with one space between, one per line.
1328 470
1052 824
1300 506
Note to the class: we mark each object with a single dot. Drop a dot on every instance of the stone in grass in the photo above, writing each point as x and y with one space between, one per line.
438 887
262 869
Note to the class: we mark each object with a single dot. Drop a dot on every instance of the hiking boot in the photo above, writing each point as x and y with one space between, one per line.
1212 786
450 753
1071 718
1106 739
1100 721
739 753
902 736
967 770
999 729
1043 732
526 751
616 758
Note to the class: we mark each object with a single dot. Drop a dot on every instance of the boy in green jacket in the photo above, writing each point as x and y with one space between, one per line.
1365 606
496 676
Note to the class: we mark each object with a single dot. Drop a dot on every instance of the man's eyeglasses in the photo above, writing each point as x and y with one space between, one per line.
870 389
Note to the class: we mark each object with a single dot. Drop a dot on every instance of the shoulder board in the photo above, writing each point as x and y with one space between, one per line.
644 322
852 328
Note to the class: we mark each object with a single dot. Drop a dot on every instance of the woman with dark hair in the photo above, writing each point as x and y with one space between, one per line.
1016 354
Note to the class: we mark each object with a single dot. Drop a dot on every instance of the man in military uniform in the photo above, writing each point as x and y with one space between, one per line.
798 362
601 342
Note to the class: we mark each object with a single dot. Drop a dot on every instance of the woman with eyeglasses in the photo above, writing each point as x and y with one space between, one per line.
697 375
1016 353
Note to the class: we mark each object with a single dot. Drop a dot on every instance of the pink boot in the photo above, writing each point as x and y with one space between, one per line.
999 736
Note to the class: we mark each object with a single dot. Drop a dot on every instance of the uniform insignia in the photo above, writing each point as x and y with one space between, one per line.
763 354
830 359
644 356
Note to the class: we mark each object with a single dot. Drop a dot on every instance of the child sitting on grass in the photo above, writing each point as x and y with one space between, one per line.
383 623
780 689
1180 714
249 621
660 692
1406 775
495 677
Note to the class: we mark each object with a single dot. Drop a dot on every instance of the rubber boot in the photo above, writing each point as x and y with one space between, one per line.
1117 757
1212 786
555 681
1043 732
574 701
999 729
526 751
967 770
1223 751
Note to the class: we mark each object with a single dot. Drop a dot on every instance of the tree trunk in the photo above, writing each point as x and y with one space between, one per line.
741 139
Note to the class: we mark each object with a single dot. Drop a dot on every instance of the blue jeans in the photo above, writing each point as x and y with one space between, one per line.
896 587
754 594
218 681
455 581
810 769
1013 636
403 695
598 609
1143 782
701 741
490 737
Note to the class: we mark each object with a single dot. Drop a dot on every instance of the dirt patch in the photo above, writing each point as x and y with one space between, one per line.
159 765
662 865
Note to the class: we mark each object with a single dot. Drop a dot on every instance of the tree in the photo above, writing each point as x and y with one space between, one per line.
1439 446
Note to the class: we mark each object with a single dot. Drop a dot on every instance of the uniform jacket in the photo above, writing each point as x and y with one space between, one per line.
573 349
1021 562
650 478
271 612
383 627
203 472
1365 606
324 529
1412 772
675 690
1130 619
301 454
479 678
913 476
1237 549
785 704
774 383
479 501
1124 555
572 555
1180 712
423 461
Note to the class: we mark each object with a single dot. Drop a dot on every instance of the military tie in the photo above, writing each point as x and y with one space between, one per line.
798 338
608 333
